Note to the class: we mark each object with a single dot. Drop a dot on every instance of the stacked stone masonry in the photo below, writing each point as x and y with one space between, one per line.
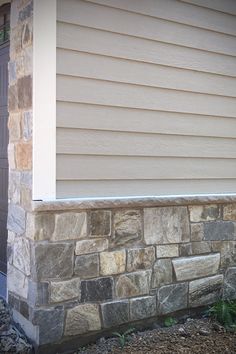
83 272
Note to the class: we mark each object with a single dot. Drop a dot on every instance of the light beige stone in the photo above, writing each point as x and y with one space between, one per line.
205 291
197 232
166 225
21 258
69 226
133 284
167 251
229 212
140 258
82 319
162 273
204 212
65 290
91 246
227 251
127 226
112 262
188 268
17 282
14 126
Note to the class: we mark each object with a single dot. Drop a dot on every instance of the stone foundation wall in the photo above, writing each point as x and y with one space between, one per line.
93 270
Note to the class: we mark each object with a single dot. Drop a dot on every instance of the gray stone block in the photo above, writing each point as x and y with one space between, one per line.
115 313
127 225
201 247
91 246
100 223
204 212
100 289
82 319
133 284
230 284
38 293
197 232
50 322
162 273
16 219
69 226
185 249
143 307
195 267
171 298
65 290
227 251
87 266
219 231
205 291
53 260
166 225
140 258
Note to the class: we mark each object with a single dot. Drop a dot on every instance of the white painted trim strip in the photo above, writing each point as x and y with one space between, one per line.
44 100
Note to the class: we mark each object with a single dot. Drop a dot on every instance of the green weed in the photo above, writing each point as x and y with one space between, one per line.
124 336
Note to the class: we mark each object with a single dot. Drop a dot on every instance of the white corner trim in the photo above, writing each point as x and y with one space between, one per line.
44 100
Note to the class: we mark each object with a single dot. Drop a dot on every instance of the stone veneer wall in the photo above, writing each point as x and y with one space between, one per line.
94 270
20 143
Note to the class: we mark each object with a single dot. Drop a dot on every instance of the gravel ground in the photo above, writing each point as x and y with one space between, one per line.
195 336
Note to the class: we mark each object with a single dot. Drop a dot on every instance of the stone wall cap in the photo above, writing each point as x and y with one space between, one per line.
130 202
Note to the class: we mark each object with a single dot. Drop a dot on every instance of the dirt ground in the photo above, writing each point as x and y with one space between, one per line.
195 336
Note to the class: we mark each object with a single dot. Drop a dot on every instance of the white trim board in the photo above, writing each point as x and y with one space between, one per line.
44 100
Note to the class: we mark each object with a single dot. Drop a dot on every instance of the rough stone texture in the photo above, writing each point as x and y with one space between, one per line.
127 226
201 247
64 290
17 282
115 313
87 266
16 219
171 298
142 307
230 284
205 291
40 227
38 293
82 319
195 267
23 156
166 225
229 212
204 212
100 223
69 226
100 289
50 322
53 260
185 249
227 251
219 231
21 258
167 251
197 232
133 284
112 262
140 258
162 273
91 246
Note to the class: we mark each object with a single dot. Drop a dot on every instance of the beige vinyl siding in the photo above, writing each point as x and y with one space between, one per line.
146 98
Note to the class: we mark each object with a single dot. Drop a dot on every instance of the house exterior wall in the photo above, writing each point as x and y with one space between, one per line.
145 98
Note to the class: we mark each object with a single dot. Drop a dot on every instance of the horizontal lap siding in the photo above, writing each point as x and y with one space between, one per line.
145 98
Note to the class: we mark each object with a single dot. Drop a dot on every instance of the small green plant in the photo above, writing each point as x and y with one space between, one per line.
170 321
123 337
225 313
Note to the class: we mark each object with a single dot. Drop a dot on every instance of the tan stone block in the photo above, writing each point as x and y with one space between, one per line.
162 273
167 251
133 284
82 319
26 197
112 262
204 212
69 226
127 226
14 126
65 290
227 251
229 212
24 91
91 246
140 258
11 156
23 156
